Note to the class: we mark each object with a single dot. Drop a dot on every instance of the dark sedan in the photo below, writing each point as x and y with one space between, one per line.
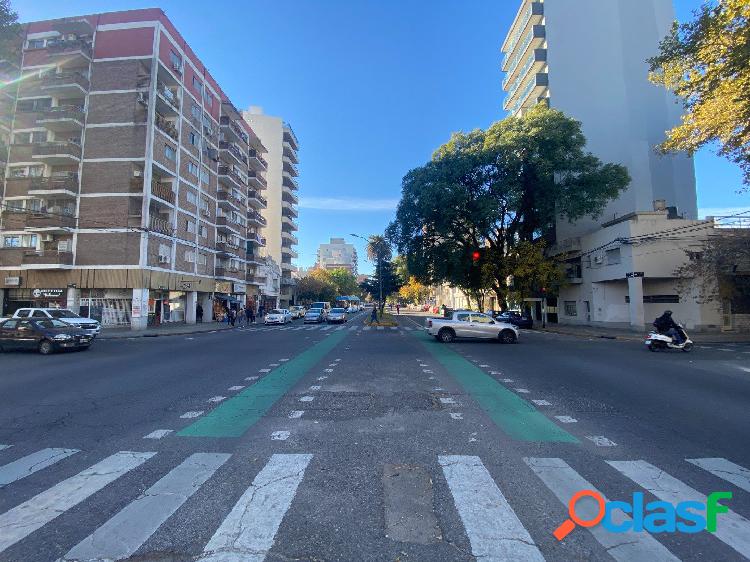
44 335
516 318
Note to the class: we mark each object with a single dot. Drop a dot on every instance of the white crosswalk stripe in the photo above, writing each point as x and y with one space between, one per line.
32 463
3 447
732 529
248 532
33 514
564 482
494 530
726 470
124 533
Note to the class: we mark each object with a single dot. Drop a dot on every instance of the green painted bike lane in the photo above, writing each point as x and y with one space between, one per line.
235 416
514 415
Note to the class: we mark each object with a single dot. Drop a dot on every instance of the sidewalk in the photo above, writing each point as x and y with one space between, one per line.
629 335
163 330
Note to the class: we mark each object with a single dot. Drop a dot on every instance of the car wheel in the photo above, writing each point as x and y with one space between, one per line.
46 347
446 335
508 336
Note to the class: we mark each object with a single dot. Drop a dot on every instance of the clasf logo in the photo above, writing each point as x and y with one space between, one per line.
654 517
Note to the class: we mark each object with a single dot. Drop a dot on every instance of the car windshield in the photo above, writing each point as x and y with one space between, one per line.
313 311
338 310
277 311
63 313
52 323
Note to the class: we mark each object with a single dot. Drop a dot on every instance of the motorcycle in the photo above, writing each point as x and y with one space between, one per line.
657 342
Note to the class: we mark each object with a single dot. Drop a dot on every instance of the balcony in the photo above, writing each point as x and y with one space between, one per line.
533 38
252 278
233 130
530 95
229 177
290 137
253 258
64 84
167 127
74 52
289 223
256 239
289 196
287 266
161 226
533 14
535 62
163 191
63 185
228 148
289 182
289 167
57 153
254 179
289 238
52 219
227 198
228 248
52 258
287 251
225 224
257 161
256 200
254 218
167 102
288 281
229 271
291 154
62 118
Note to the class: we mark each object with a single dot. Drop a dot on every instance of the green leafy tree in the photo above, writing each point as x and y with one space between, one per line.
316 286
490 191
706 62
10 33
344 281
413 291
391 282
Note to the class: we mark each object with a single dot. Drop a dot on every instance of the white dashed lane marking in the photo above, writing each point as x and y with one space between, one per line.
315 387
522 390
566 419
541 403
217 399
280 435
235 388
295 414
307 399
158 434
189 415
601 441
457 416
251 378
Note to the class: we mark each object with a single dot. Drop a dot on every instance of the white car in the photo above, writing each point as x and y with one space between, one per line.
468 324
88 325
278 316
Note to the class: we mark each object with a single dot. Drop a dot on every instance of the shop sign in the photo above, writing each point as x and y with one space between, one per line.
47 293
634 274
136 307
223 287
239 288
12 281
186 285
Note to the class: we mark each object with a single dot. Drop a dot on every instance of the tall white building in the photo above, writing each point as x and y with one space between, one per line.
281 211
587 58
338 254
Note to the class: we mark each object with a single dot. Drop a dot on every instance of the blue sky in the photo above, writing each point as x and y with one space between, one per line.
370 87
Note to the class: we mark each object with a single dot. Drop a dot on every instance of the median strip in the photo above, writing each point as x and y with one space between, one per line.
237 414
514 415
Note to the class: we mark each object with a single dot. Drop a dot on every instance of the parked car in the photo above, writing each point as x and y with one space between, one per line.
297 311
323 306
44 334
516 318
314 316
468 324
278 316
89 325
337 316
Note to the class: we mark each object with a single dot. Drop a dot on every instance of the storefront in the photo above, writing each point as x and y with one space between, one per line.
165 307
111 307
36 298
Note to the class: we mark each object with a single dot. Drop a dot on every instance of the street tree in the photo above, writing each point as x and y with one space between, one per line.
344 281
391 282
413 291
10 33
490 191
706 62
316 286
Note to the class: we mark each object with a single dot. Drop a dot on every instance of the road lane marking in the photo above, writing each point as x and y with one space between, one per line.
236 387
333 364
280 435
496 373
307 399
158 434
733 529
447 401
366 328
457 416
484 366
315 387
601 441
251 378
217 399
564 483
427 371
328 370
248 532
507 380
3 447
381 328
541 402
493 529
511 413
438 389
264 370
273 364
294 414
127 531
24 519
324 377
522 390
28 465
566 419
189 415
726 470
284 360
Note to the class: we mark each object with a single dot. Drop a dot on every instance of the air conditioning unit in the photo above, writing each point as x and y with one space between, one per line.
163 259
599 259
137 173
177 68
142 98
205 212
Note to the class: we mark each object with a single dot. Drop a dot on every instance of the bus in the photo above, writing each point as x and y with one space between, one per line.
349 302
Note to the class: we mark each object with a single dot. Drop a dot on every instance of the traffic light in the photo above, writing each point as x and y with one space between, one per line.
476 255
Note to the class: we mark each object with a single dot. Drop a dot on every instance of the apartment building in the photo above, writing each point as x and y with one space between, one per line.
587 58
281 213
337 254
133 187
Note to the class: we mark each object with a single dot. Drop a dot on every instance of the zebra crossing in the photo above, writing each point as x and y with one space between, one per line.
490 520
329 328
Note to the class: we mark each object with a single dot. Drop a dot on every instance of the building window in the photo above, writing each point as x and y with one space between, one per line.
208 99
203 231
36 104
613 256
197 85
204 176
202 259
189 256
571 308
196 112
169 153
164 252
657 299
204 204
193 138
32 137
14 204
176 61
35 44
12 242
20 241
192 168
191 197
190 226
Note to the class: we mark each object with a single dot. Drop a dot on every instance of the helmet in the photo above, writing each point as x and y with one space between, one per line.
668 312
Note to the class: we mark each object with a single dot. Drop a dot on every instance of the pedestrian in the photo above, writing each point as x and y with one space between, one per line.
249 314
374 315
232 316
241 316
398 309
261 311
199 313
252 314
226 315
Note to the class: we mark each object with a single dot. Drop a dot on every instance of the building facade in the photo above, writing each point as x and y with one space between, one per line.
281 213
337 254
133 186
587 58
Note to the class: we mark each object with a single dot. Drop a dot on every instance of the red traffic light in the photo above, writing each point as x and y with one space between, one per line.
475 256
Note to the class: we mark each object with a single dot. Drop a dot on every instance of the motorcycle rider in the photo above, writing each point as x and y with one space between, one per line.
666 325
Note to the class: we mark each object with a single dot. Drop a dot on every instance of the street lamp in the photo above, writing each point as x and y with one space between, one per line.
380 268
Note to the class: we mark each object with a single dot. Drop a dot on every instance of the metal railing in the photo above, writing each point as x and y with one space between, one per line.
54 79
163 191
167 127
161 226
67 148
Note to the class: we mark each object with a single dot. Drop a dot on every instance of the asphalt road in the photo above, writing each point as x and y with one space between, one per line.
352 444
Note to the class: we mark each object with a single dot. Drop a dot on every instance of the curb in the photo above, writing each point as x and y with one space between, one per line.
634 338
135 334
